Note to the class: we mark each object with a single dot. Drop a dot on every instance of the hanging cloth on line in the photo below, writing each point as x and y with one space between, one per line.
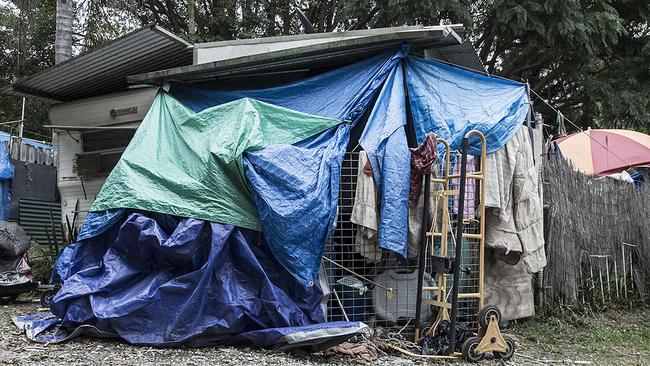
365 213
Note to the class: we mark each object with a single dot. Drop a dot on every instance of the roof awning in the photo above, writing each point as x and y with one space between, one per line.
443 42
104 70
126 126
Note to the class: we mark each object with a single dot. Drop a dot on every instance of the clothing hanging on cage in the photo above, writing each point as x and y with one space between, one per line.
514 218
471 202
365 214
415 218
508 286
422 159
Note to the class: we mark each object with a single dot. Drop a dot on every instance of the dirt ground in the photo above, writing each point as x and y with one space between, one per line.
613 338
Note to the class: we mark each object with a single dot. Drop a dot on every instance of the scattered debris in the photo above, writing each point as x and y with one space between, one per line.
363 353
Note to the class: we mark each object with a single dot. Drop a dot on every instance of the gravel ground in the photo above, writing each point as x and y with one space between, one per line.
15 349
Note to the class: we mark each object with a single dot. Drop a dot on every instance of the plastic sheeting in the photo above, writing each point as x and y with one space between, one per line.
449 102
344 93
6 175
295 187
5 137
195 282
190 164
46 328
384 139
62 264
296 197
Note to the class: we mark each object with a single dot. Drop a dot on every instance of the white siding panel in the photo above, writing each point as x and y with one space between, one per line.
96 111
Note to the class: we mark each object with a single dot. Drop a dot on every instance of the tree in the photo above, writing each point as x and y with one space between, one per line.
27 36
585 56
588 57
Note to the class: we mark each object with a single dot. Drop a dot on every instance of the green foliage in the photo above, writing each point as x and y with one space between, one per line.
27 39
590 58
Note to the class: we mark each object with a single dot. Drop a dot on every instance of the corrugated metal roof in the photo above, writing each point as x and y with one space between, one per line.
341 50
103 70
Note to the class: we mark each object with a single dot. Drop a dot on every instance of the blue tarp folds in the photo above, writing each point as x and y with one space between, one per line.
296 197
342 94
450 102
384 139
194 282
295 187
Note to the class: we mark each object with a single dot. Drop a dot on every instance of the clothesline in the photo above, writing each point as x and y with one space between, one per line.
578 127
543 100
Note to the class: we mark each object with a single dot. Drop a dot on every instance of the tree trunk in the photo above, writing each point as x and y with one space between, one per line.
63 36
191 22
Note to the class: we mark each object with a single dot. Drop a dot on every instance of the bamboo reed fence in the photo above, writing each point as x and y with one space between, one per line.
597 238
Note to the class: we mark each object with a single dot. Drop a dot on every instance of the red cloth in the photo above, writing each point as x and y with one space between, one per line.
367 169
422 159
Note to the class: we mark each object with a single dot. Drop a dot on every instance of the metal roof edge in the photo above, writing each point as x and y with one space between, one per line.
171 35
15 90
309 36
84 54
156 76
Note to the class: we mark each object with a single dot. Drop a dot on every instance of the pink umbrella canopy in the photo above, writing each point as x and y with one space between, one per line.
605 152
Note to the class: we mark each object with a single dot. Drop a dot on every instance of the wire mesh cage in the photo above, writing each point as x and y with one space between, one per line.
374 285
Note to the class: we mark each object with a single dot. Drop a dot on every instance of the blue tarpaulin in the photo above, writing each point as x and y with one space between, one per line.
343 94
296 197
6 176
295 187
450 102
384 139
151 266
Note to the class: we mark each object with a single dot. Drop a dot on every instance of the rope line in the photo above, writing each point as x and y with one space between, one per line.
579 128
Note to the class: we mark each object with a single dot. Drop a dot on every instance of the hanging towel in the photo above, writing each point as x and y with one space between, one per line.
416 218
364 213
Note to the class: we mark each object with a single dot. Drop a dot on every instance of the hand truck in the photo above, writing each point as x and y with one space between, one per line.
488 337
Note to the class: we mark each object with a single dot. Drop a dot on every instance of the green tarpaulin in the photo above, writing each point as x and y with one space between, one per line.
190 164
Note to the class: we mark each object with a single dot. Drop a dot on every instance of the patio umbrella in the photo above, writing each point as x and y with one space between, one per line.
605 152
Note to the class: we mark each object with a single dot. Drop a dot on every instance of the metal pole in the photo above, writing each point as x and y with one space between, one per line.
459 248
624 271
609 287
422 254
632 283
20 131
528 123
22 121
618 294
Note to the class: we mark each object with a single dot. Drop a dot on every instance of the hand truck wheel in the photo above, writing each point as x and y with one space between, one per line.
510 341
486 313
469 350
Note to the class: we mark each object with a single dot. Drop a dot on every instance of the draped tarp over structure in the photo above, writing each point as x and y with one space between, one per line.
211 167
295 187
190 164
449 102
384 139
344 93
296 197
